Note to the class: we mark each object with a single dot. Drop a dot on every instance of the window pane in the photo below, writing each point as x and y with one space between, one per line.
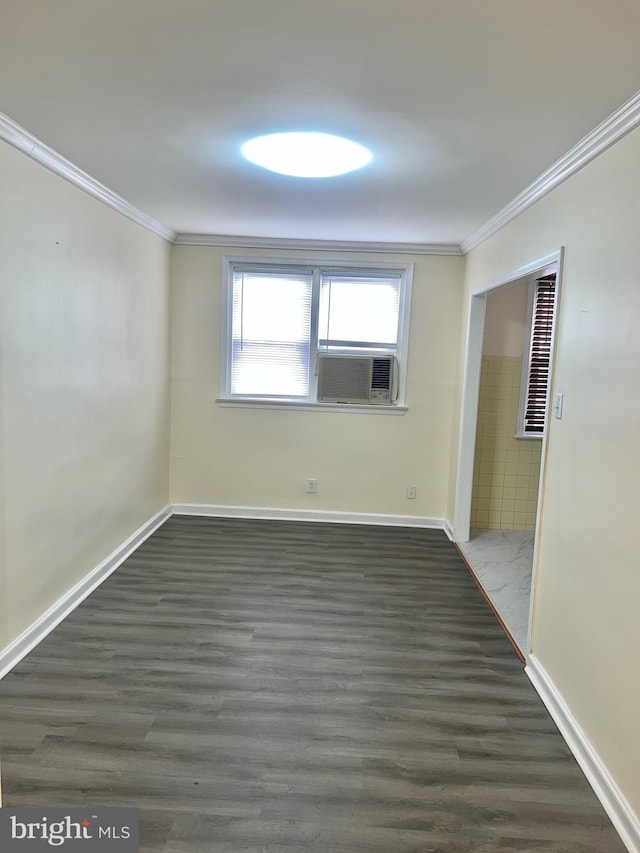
270 334
359 310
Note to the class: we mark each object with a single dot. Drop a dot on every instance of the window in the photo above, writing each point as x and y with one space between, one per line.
279 318
537 359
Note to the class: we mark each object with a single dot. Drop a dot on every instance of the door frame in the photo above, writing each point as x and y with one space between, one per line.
470 398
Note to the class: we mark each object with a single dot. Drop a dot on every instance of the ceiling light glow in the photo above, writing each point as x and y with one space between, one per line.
306 154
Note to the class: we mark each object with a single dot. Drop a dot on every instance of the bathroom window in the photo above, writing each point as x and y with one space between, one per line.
537 359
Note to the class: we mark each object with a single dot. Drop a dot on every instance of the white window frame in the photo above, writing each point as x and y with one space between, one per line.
526 363
225 398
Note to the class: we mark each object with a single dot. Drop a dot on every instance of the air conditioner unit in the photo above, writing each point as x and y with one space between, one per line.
356 379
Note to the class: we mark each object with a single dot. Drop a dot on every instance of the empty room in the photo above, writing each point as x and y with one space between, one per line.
319 426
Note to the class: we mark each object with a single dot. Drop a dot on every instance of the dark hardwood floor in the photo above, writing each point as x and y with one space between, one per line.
283 687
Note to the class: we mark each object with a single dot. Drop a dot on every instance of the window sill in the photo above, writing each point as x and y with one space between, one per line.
292 406
529 437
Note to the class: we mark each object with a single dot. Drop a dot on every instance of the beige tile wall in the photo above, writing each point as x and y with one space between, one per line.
507 469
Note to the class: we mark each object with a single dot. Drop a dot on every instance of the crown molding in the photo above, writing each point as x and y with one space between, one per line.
228 241
24 141
612 129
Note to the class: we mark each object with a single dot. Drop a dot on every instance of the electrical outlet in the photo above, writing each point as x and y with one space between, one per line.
312 486
411 492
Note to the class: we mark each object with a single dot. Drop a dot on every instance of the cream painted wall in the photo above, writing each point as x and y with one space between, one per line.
257 457
586 630
83 385
505 320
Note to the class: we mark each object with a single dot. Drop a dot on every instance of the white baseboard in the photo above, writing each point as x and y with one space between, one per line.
613 801
448 529
309 515
38 630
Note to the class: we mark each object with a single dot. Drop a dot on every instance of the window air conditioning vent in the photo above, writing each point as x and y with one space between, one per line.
355 379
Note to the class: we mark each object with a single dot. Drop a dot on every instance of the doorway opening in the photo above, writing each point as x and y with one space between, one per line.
509 363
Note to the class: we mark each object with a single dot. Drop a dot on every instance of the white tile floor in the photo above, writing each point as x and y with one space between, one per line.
502 560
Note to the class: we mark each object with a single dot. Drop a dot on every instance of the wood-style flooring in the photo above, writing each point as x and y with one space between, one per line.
295 688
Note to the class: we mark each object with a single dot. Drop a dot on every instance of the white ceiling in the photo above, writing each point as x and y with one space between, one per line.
463 103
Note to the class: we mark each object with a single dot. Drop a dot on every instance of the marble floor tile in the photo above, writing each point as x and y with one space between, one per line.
502 560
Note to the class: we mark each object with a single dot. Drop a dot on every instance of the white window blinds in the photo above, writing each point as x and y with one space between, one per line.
535 402
270 333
